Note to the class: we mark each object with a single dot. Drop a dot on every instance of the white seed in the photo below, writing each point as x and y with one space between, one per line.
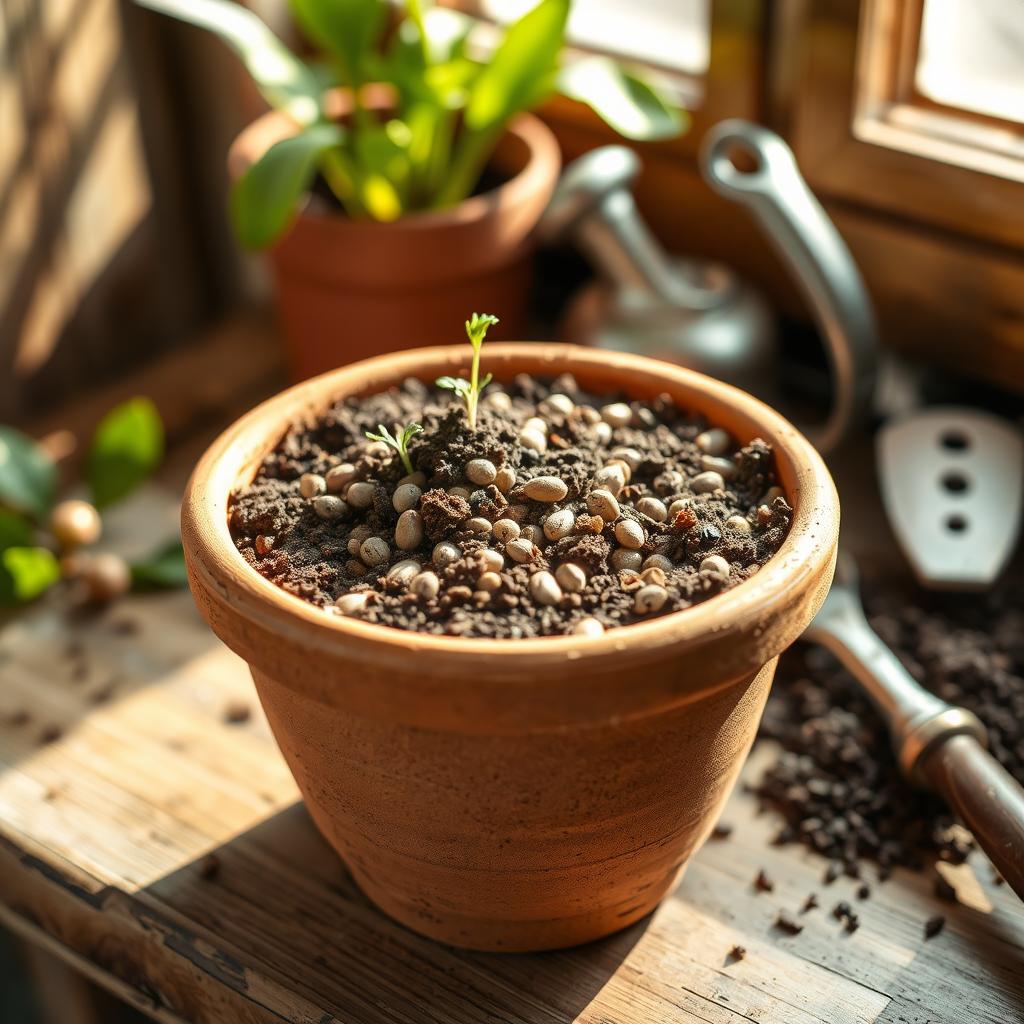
545 488
534 534
492 561
499 401
374 551
478 524
360 494
352 604
627 473
610 478
409 530
417 479
536 424
618 414
602 503
649 599
658 562
533 439
716 565
630 456
489 582
588 627
624 558
771 494
737 523
312 484
445 553
329 506
589 414
505 479
677 506
378 449
714 441
630 534
480 471
561 404
705 483
726 467
571 577
602 433
544 588
339 477
425 585
559 524
654 508
460 492
405 497
505 530
521 550
404 571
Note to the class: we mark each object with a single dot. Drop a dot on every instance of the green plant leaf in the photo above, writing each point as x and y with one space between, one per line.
25 573
383 154
285 82
127 446
164 569
630 103
263 200
15 530
349 29
28 476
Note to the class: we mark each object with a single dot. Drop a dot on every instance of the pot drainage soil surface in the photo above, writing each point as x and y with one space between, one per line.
563 512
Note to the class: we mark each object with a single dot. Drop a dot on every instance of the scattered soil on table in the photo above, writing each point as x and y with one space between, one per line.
668 506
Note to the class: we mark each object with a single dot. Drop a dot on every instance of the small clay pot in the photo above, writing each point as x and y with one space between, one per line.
514 794
350 289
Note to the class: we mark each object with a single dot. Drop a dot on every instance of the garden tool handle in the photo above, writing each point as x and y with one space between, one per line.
798 227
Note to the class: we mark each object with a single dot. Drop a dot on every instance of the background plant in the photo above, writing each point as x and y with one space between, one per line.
450 107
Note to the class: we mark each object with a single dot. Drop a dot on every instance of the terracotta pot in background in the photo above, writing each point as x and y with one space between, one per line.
514 795
347 289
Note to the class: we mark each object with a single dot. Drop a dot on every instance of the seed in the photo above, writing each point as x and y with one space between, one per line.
654 508
405 497
445 553
561 404
726 467
536 424
329 506
356 538
374 551
771 494
489 582
499 401
588 627
545 488
460 492
649 599
505 479
715 565
658 562
425 585
654 575
492 560
705 483
545 589
533 439
610 478
481 471
521 550
339 477
354 567
534 534
409 530
571 577
602 433
417 479
714 441
105 578
618 414
378 449
630 456
764 515
505 530
75 524
404 571
624 558
352 604
478 524
602 503
312 484
263 545
630 534
627 473
360 494
589 414
559 524
738 523
677 506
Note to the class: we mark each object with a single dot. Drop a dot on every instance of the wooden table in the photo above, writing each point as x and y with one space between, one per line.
151 836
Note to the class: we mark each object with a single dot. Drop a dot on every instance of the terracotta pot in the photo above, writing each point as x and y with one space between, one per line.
348 289
514 795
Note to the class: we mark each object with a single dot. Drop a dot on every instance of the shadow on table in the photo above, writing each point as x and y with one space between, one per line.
283 905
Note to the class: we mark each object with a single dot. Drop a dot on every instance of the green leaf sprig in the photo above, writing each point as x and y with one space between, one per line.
399 441
469 390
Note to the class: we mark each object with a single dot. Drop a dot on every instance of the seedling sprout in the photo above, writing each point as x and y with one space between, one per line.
469 390
399 441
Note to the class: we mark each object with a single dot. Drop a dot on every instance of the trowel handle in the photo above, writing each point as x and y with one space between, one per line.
800 230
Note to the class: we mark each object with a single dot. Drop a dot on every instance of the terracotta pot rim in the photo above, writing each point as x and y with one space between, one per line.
728 621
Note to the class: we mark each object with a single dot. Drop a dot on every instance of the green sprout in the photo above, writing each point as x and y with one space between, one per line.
469 390
400 440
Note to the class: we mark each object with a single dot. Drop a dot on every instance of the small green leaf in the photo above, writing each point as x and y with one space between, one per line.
347 28
263 200
457 384
15 530
630 103
164 569
25 573
28 476
127 446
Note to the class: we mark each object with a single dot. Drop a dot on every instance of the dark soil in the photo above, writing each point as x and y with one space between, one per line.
280 534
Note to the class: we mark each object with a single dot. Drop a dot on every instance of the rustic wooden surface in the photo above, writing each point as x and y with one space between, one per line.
156 843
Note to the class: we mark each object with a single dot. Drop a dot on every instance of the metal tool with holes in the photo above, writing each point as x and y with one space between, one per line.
938 745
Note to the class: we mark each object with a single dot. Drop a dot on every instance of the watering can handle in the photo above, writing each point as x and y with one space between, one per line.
800 230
